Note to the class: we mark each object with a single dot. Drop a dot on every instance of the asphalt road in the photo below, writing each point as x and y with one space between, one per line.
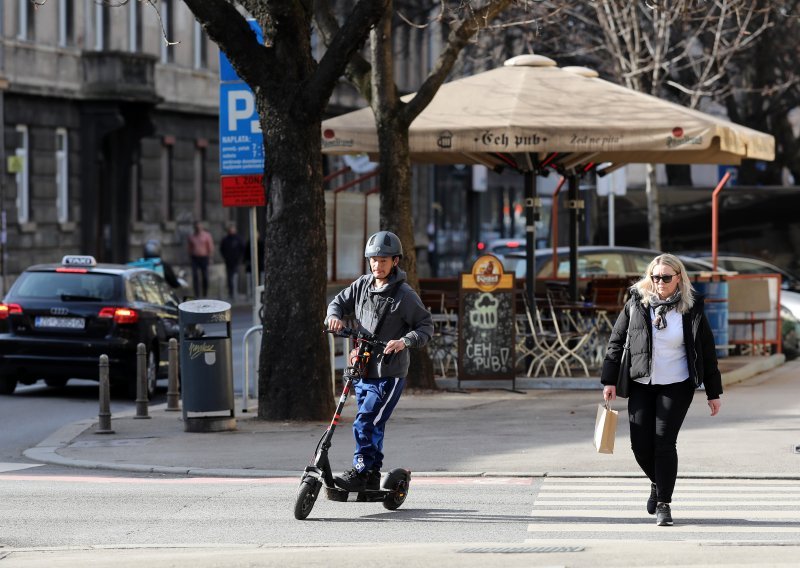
68 519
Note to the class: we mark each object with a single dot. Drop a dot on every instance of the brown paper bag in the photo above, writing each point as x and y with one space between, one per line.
605 429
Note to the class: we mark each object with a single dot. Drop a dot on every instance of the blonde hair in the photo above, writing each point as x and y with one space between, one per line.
647 289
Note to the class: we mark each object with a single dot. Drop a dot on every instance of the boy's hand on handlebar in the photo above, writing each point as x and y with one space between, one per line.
335 324
394 346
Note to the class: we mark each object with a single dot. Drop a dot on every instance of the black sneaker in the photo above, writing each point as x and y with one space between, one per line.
373 480
663 515
652 500
351 480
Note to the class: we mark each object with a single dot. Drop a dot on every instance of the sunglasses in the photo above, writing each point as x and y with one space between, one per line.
666 278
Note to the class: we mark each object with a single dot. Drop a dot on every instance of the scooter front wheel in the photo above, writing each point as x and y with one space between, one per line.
306 497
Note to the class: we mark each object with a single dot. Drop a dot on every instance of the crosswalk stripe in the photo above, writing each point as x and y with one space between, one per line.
638 481
650 526
612 514
638 503
708 510
678 488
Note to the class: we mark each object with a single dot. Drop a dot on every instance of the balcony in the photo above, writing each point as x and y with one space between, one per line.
115 75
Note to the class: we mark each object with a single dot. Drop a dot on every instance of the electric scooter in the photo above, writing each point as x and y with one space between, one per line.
394 487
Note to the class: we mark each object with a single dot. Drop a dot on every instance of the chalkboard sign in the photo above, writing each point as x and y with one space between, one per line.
486 332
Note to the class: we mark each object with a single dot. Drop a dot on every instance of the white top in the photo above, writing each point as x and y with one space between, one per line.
669 364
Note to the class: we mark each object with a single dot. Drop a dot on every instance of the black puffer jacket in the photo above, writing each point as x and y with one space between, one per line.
701 354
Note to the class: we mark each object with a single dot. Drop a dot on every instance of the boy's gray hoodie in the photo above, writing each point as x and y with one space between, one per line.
407 318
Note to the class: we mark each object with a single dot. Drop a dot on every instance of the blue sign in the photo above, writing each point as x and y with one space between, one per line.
226 72
734 171
241 143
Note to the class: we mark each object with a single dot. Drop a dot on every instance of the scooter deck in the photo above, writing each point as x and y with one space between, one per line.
368 495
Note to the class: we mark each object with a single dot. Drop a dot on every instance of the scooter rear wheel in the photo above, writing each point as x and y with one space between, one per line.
397 482
306 497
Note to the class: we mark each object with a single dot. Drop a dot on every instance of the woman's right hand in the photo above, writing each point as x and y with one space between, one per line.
609 392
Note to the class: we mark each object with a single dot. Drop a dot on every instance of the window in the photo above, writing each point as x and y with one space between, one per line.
66 23
152 292
22 175
62 175
136 184
27 21
168 178
200 180
102 26
135 27
200 47
51 285
167 51
137 289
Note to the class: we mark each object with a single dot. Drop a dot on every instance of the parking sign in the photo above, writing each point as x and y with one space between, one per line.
241 143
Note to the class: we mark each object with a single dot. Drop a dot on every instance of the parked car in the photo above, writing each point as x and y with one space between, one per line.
595 261
790 293
57 319
507 250
747 265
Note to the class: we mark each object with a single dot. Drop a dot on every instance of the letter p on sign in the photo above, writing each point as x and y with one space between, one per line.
242 106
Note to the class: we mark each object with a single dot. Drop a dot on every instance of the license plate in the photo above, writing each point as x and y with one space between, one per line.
63 323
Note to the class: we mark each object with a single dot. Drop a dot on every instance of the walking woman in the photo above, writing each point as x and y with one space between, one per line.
670 354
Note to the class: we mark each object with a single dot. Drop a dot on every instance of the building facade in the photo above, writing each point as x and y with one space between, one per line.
110 130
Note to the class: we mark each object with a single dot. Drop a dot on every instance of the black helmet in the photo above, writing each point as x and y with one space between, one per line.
152 249
383 243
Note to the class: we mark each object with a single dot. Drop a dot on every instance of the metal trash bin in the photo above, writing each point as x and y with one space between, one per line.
206 366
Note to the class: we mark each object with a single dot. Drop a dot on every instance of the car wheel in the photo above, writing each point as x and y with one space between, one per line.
151 377
55 383
7 385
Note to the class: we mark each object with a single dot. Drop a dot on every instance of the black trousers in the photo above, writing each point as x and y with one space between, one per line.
656 413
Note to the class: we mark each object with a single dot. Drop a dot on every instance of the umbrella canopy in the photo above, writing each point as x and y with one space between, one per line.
532 107
532 115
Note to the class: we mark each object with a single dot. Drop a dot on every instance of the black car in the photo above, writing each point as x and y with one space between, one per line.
57 319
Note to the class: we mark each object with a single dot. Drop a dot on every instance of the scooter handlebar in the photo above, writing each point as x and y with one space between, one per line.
362 335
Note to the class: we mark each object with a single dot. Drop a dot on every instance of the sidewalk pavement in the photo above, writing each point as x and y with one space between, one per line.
482 433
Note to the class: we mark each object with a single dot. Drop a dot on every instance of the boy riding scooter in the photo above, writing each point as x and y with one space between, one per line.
385 305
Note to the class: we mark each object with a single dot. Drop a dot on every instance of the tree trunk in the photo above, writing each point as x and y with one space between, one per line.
396 216
395 176
294 379
653 213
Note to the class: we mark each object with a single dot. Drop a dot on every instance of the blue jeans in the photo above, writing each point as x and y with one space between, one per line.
376 400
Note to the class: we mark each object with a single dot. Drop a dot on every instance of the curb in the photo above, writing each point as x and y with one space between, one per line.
759 365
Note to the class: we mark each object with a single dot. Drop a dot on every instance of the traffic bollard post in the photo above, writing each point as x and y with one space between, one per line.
104 416
141 382
173 390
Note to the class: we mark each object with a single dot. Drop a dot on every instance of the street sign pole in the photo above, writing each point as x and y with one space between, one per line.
254 266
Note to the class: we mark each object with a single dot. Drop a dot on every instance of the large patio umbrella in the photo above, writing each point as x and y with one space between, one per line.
531 115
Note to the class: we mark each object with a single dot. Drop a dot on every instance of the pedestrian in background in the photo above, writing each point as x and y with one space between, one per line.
201 249
232 249
671 353
386 305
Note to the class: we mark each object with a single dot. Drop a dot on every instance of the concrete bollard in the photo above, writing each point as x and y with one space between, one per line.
173 389
104 416
141 382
